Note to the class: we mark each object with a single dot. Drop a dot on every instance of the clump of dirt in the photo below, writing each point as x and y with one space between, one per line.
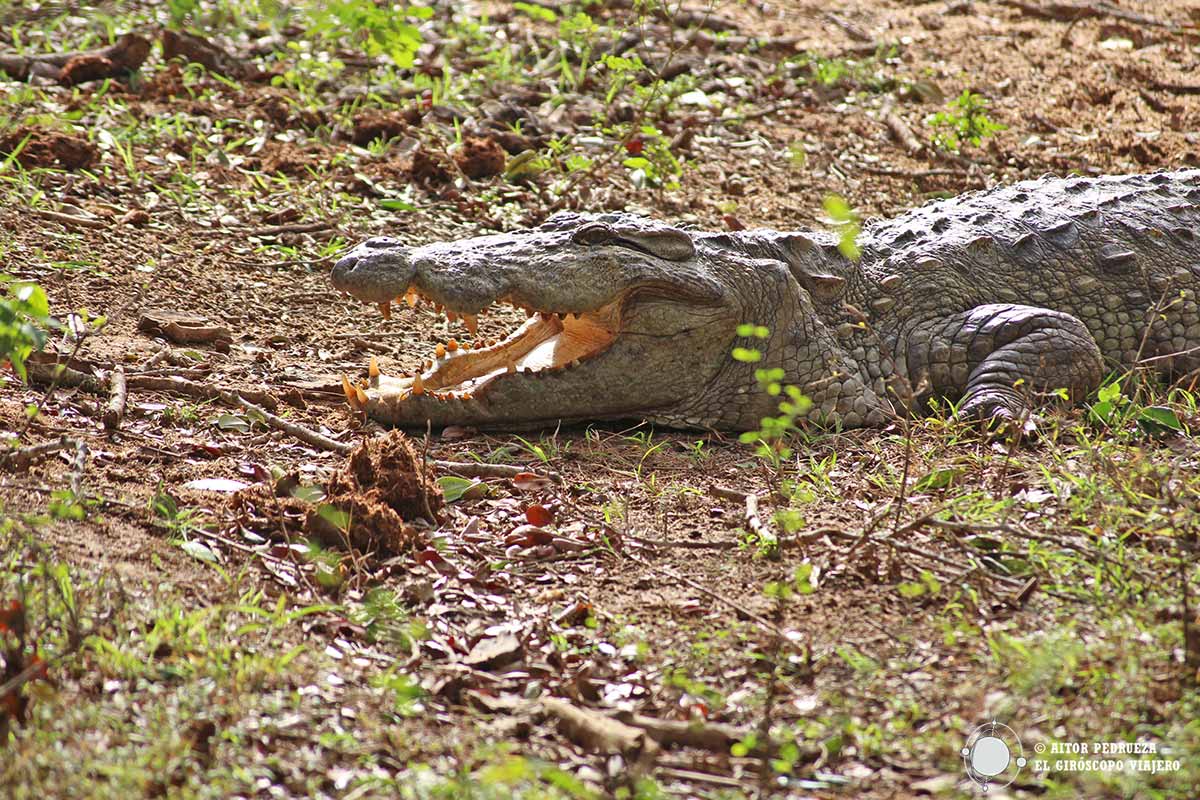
367 526
85 67
43 148
165 84
367 502
388 470
372 125
380 485
480 157
427 168
275 107
286 158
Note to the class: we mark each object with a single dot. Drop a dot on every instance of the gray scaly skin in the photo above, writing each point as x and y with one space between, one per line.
995 298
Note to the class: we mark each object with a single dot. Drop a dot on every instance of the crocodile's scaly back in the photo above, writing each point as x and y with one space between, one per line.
936 286
995 297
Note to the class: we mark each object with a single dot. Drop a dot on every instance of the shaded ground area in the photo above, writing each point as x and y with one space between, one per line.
185 573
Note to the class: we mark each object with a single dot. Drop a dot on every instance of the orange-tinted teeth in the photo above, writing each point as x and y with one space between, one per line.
373 369
418 386
472 323
361 397
348 391
385 308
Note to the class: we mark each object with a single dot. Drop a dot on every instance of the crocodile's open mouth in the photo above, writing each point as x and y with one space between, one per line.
546 343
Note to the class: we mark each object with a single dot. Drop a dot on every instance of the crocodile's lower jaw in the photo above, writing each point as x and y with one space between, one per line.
547 343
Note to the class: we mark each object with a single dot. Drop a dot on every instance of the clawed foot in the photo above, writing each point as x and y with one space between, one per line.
999 419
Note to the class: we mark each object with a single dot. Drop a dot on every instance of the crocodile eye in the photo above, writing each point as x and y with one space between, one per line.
593 233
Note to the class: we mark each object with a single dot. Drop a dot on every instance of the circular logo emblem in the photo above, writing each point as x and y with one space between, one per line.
993 755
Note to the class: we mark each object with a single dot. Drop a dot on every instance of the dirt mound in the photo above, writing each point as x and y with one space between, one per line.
372 125
43 148
480 157
366 507
428 168
165 84
388 470
378 487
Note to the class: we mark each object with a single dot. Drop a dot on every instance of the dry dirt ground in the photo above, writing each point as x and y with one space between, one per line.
927 581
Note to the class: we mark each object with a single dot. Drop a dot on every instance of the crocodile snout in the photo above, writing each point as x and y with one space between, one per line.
375 269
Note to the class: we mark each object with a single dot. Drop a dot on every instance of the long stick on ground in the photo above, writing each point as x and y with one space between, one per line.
70 377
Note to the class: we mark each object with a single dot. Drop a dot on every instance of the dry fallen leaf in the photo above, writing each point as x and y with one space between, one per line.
539 515
529 481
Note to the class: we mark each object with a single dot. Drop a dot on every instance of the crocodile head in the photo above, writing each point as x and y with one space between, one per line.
627 319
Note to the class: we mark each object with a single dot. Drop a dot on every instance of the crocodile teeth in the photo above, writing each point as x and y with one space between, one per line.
418 385
472 323
386 309
452 345
351 395
440 350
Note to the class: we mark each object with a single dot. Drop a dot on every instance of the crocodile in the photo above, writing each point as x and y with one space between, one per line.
1001 300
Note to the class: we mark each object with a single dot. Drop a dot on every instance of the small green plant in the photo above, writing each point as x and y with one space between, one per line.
771 438
965 121
380 30
1116 411
845 221
24 320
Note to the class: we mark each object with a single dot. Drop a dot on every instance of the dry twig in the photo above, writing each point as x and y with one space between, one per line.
119 391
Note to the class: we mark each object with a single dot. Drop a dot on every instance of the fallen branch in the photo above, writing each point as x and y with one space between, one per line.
728 494
47 373
117 60
701 734
184 329
300 432
70 219
755 524
598 733
78 463
119 390
472 469
1073 12
27 456
903 134
190 48
176 385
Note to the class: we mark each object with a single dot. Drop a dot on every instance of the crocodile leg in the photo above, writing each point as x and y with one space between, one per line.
996 357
